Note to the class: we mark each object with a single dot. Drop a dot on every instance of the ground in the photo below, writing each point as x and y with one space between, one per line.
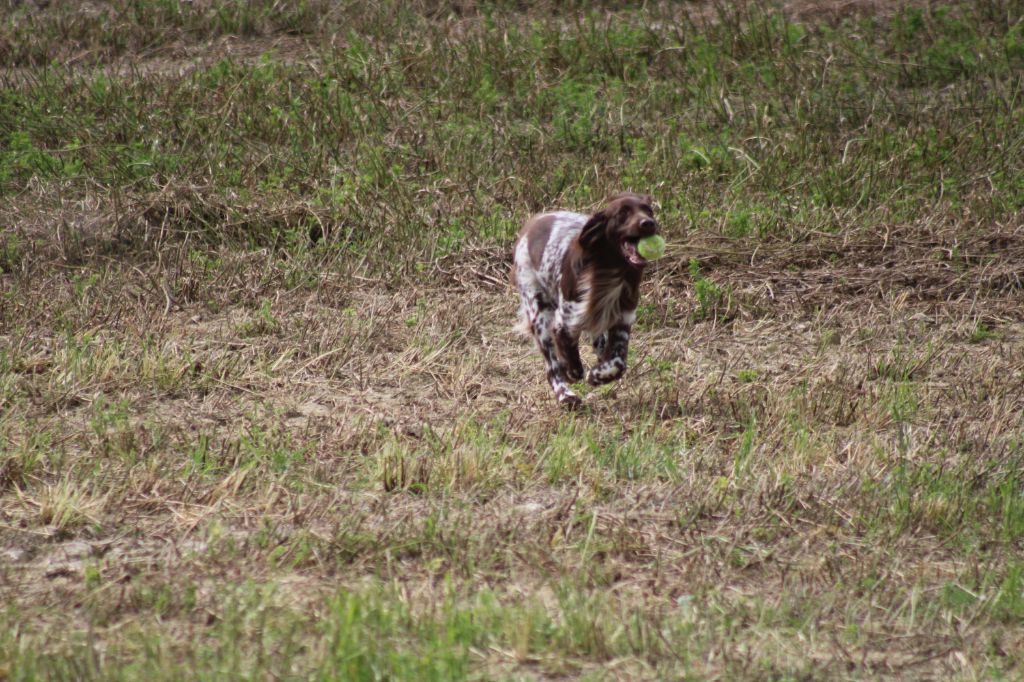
263 413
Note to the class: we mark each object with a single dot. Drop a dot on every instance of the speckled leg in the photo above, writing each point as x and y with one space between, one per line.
540 314
567 341
612 352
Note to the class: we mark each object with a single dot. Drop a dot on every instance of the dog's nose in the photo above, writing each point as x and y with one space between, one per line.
648 226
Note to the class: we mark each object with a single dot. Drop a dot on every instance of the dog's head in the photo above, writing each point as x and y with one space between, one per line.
613 231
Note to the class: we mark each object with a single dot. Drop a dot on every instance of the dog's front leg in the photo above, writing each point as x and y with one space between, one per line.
611 355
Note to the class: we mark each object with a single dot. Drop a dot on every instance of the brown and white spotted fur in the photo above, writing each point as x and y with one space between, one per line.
577 273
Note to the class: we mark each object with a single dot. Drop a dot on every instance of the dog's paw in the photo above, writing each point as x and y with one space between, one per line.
605 374
570 401
574 373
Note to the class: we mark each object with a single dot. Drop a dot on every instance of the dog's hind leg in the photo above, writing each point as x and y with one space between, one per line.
567 340
537 314
546 334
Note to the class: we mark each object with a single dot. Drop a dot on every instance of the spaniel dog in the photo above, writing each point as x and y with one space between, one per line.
578 273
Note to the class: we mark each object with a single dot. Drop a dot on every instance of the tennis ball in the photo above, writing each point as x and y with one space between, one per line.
651 248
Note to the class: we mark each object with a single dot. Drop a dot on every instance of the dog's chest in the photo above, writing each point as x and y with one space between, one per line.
600 304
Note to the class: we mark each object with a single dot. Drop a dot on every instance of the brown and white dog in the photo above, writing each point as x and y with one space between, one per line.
578 273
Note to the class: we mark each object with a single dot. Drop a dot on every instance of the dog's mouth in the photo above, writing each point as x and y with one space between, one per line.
633 256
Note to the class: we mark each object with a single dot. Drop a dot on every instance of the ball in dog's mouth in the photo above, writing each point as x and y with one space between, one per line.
651 247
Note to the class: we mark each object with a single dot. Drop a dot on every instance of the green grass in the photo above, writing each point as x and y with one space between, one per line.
262 415
380 118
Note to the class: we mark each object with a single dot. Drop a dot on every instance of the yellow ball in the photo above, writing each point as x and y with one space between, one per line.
651 248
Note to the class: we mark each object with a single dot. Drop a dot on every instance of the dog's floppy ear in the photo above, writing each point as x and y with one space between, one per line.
594 229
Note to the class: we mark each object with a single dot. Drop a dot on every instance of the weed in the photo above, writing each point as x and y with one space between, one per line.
982 332
263 323
903 363
713 300
748 375
67 506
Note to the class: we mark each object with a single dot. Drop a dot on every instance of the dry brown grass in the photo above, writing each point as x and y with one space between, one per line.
349 372
245 432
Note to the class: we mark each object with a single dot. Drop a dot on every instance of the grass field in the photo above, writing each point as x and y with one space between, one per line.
263 414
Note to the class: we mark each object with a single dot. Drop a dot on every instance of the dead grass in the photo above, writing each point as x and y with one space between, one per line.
263 414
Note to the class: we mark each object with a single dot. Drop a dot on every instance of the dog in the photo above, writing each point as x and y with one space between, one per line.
577 273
